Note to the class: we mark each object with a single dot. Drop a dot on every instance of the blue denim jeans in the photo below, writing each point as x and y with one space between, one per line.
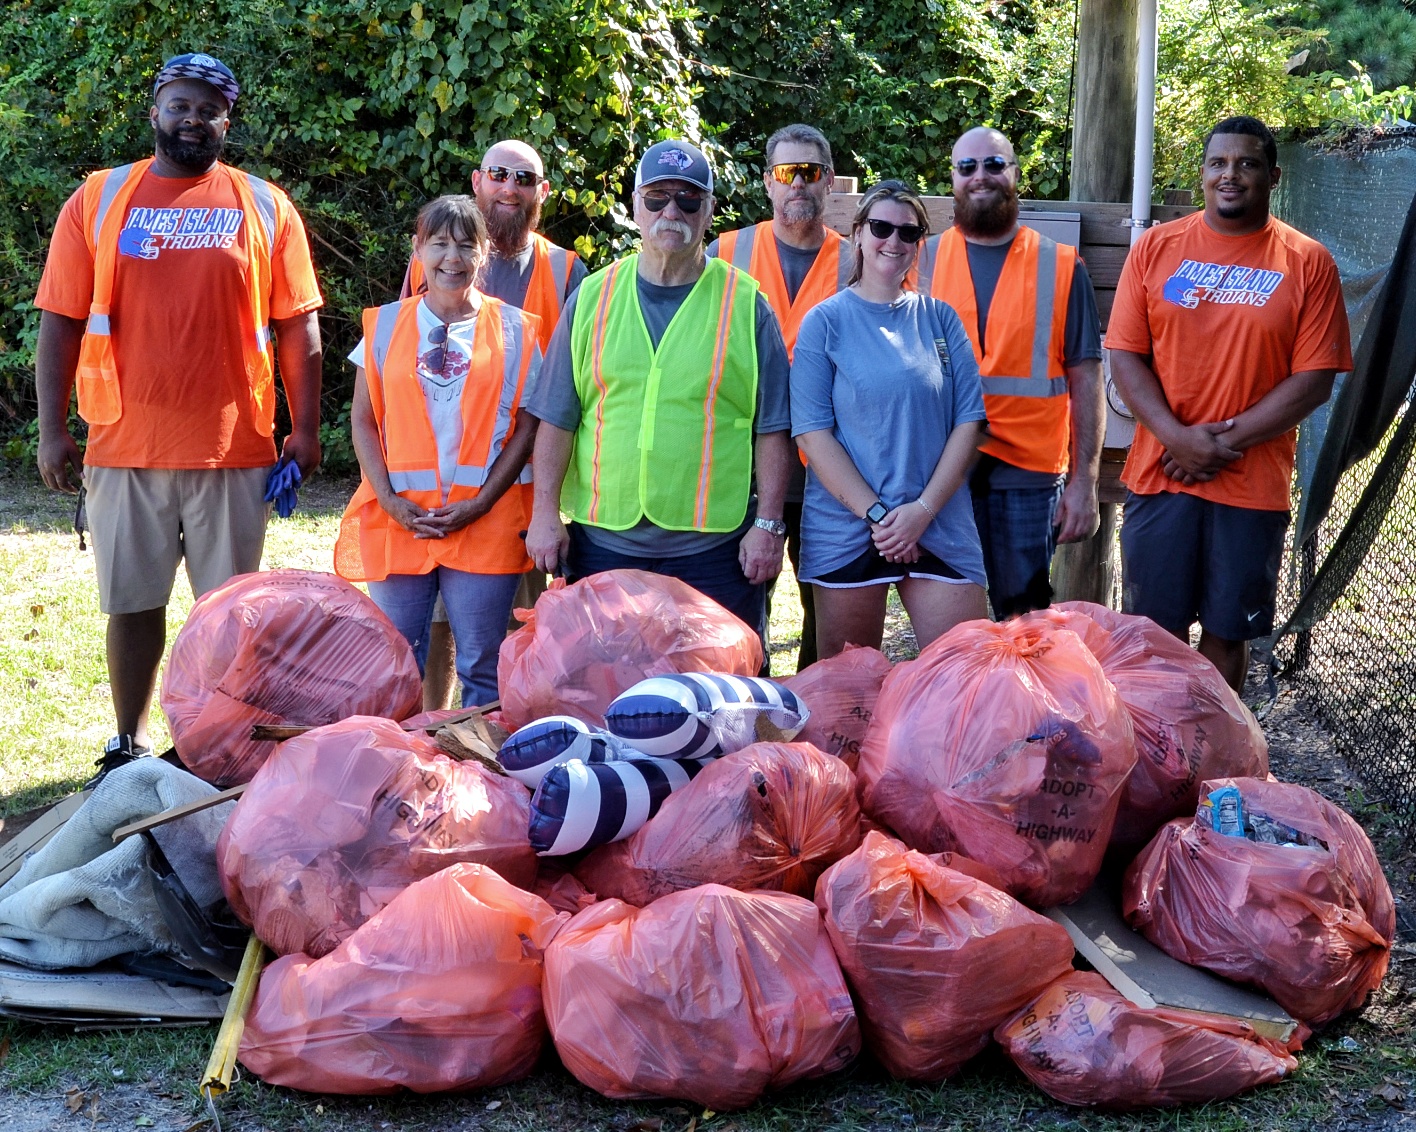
478 606
715 573
1015 528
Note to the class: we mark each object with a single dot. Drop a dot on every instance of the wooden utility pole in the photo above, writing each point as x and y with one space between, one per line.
1103 145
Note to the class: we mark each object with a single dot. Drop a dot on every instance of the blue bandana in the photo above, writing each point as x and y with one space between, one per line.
195 65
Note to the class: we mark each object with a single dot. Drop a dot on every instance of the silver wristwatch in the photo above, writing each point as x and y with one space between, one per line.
771 526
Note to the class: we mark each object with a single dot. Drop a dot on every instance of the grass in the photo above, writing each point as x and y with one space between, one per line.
54 697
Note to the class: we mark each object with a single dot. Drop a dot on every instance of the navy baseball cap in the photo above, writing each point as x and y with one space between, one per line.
674 160
195 65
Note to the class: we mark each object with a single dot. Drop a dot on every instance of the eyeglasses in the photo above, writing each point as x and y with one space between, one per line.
909 233
995 164
438 337
808 171
524 178
687 200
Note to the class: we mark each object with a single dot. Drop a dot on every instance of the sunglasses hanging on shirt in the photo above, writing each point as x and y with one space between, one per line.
437 358
909 233
808 171
687 200
524 178
995 164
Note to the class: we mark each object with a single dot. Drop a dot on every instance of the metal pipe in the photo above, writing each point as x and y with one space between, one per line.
1144 165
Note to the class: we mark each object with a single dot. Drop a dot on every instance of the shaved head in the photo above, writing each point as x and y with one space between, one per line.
982 141
514 155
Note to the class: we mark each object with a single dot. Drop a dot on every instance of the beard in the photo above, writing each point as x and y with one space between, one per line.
802 210
508 227
990 216
196 156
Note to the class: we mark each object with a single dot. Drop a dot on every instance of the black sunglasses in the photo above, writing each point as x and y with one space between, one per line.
687 200
909 233
524 178
995 164
808 171
438 337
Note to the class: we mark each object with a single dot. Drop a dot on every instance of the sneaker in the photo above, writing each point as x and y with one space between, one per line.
118 751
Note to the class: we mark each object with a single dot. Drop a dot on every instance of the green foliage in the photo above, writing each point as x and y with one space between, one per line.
360 109
891 84
1378 35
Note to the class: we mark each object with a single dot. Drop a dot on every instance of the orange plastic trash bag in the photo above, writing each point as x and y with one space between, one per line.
342 819
771 816
439 991
1310 924
711 996
840 692
586 643
1006 743
1081 1043
279 646
935 958
1190 725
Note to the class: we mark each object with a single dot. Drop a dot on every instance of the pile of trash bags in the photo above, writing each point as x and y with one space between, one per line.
856 857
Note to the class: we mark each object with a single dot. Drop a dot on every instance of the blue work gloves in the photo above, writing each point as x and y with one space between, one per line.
280 487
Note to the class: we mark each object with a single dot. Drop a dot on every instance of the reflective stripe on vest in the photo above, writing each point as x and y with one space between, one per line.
665 433
559 260
1021 363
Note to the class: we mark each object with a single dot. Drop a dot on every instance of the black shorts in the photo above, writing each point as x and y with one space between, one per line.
872 569
1185 559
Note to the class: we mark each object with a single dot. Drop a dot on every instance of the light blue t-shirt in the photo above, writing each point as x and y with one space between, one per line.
891 381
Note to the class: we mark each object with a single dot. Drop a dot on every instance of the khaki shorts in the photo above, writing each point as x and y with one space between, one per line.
145 521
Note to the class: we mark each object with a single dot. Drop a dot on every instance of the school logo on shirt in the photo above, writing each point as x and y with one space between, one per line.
1225 284
148 232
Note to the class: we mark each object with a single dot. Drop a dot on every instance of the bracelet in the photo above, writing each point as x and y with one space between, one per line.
932 512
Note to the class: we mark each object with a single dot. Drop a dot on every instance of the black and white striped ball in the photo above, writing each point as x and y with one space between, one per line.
673 717
531 751
581 805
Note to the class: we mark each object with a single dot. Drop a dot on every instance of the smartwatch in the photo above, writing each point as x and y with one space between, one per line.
771 526
876 513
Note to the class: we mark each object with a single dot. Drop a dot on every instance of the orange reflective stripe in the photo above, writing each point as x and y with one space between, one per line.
705 463
597 375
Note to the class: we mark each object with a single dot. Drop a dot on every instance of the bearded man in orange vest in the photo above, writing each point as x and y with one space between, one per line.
528 271
1028 306
798 262
171 286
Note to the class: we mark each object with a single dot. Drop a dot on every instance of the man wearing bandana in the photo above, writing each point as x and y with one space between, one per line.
171 288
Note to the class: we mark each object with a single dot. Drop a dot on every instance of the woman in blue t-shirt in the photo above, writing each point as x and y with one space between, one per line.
888 409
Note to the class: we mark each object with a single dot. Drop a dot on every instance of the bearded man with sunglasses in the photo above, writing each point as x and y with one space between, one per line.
798 262
662 399
1030 312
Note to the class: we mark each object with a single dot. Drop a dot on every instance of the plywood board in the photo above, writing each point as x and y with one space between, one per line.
34 835
1148 977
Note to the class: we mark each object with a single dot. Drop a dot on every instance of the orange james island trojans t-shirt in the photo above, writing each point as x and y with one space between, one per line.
1224 320
178 320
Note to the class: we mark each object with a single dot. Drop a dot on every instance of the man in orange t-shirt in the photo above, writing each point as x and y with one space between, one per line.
1227 330
165 283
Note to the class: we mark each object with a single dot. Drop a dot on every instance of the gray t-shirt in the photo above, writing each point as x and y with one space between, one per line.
891 381
555 401
507 278
796 264
1081 342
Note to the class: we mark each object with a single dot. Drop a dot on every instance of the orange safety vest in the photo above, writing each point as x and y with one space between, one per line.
107 194
371 544
545 290
754 250
1024 378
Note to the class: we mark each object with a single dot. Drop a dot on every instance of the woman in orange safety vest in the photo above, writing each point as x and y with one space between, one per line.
443 447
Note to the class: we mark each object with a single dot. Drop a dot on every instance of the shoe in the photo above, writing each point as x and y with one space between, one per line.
118 751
